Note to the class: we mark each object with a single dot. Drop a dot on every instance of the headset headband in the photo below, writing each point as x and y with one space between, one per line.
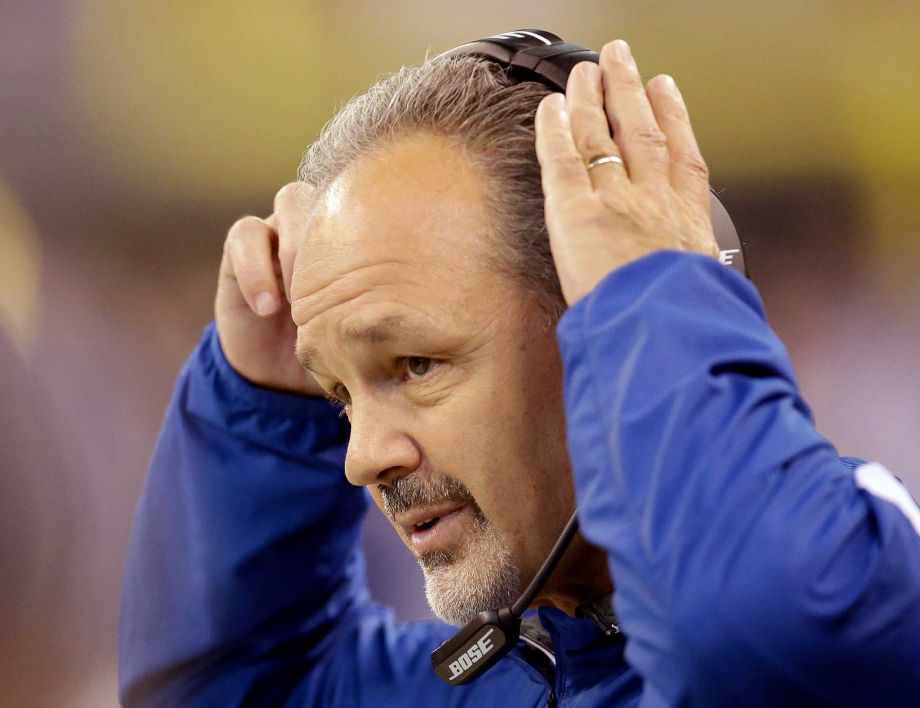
538 55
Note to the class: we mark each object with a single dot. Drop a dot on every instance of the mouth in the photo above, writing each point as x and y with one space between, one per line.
434 527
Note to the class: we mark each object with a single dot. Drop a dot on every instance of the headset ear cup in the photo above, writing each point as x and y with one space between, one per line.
731 247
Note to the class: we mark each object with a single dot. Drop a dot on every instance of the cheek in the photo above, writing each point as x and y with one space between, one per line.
499 459
502 434
467 438
528 491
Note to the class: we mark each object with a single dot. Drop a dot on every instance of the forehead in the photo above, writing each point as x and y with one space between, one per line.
408 224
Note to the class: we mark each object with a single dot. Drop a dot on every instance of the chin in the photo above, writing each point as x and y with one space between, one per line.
484 576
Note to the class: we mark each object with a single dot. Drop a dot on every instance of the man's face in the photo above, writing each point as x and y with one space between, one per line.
450 372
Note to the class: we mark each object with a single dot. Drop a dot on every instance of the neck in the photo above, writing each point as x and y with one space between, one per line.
581 576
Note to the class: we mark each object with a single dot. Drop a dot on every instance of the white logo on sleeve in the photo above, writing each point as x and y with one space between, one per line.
879 482
727 257
471 655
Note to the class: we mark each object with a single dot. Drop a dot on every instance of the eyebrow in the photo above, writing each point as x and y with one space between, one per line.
387 329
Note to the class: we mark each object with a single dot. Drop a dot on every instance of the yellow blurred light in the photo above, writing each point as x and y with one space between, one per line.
20 271
203 99
214 100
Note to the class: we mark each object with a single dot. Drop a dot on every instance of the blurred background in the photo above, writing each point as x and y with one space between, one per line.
133 133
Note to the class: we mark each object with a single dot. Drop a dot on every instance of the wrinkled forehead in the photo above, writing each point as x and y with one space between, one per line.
410 221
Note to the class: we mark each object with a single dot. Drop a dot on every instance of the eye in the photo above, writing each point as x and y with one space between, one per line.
418 366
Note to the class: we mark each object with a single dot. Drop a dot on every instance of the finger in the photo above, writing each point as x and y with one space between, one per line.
635 130
689 174
562 170
250 246
293 204
585 102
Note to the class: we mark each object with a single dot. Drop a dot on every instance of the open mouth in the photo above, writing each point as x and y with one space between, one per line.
436 526
427 523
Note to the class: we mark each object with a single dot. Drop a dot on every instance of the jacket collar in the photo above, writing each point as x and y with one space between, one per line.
600 611
588 653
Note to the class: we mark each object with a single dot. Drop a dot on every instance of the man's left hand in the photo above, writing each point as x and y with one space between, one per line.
655 196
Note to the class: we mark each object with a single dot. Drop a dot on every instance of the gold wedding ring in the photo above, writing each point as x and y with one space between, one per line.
603 160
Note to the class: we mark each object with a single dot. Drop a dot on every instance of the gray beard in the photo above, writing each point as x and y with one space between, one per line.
477 576
480 574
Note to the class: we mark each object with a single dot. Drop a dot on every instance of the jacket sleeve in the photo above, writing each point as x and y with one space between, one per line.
244 543
752 565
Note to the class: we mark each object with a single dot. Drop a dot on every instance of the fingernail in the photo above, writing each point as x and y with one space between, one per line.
621 51
266 304
668 84
556 101
563 113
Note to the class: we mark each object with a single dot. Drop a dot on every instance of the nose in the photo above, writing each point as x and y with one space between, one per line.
380 449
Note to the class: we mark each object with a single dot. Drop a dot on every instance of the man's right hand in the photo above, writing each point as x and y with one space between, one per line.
252 307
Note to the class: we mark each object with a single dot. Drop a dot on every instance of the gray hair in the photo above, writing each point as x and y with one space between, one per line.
473 102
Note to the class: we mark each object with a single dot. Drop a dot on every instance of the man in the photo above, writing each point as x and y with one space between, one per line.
751 565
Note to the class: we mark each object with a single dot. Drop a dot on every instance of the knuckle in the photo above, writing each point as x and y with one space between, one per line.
291 195
244 227
650 136
565 160
247 223
662 204
576 212
694 164
617 208
630 82
584 110
613 214
595 144
580 113
581 116
284 195
656 199
676 112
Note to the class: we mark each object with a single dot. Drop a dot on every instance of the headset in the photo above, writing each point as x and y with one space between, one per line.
537 55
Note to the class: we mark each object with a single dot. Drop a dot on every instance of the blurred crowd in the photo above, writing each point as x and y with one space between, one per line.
132 135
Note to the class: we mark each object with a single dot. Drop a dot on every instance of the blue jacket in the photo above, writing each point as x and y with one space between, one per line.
752 565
